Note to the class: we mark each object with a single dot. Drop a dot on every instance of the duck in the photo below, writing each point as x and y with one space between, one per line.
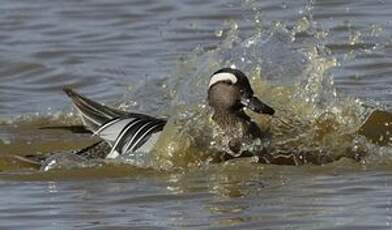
229 94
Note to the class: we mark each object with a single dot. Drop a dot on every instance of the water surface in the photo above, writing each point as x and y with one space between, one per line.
328 61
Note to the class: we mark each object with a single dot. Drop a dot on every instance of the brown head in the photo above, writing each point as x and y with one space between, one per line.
229 92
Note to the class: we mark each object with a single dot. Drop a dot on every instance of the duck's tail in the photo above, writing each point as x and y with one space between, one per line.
93 114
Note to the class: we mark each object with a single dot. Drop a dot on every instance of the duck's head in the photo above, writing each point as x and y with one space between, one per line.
229 91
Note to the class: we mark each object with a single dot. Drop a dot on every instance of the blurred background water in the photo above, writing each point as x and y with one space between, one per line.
149 56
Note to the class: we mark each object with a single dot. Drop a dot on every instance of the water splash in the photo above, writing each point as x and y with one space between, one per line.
313 120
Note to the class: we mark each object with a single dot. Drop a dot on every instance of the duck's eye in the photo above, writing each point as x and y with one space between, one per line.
228 82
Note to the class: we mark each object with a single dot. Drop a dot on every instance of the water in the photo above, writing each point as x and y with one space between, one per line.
325 65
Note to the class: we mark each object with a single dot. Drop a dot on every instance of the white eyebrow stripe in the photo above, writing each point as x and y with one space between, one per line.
222 77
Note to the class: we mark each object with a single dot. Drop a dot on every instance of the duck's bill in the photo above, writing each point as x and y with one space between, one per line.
254 104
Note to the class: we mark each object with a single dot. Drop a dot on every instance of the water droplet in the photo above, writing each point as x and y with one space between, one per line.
6 142
376 30
354 37
302 25
219 33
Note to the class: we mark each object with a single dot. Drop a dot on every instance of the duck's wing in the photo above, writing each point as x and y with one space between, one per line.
93 113
125 132
129 134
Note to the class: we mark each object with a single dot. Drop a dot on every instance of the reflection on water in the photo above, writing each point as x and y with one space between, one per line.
230 195
304 58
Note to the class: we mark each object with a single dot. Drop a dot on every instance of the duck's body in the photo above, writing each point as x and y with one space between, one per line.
229 92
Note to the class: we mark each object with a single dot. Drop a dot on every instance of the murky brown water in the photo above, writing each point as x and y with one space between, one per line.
327 61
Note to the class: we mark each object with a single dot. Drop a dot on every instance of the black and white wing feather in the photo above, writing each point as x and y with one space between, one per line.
93 114
125 132
128 134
